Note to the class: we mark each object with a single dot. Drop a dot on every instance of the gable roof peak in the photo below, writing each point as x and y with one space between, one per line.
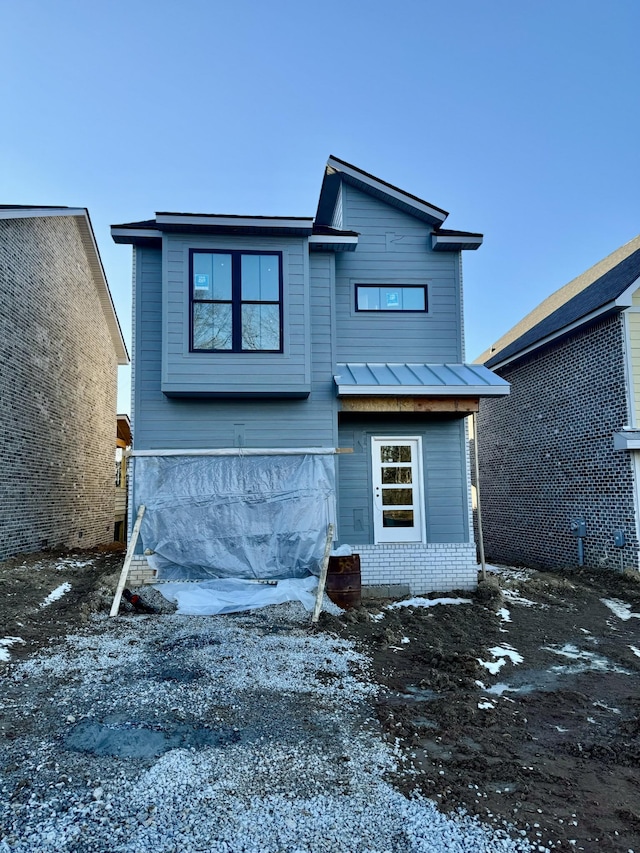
338 170
602 285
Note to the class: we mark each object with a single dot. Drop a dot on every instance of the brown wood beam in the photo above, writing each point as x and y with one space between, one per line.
458 405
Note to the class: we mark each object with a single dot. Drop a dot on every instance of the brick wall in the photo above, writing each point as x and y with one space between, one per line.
547 456
424 568
58 378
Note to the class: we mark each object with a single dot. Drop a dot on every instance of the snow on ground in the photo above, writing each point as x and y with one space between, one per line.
5 645
621 609
57 593
515 598
511 572
584 660
501 654
427 602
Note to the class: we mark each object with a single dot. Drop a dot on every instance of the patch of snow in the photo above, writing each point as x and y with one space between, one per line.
606 707
500 688
635 651
405 640
485 706
621 609
515 598
585 661
560 729
427 602
510 572
5 645
376 617
69 563
504 615
57 593
501 653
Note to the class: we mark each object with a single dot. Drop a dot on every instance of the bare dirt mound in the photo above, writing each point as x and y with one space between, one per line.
520 706
47 595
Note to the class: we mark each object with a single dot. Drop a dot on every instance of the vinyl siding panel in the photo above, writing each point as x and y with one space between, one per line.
633 318
444 470
394 248
232 373
163 423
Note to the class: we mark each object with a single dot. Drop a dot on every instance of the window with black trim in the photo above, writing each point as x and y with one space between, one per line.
236 301
390 297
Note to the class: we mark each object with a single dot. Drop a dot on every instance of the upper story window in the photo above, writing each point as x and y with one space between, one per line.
389 297
236 301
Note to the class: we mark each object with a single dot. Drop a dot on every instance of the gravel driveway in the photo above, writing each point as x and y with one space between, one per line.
229 733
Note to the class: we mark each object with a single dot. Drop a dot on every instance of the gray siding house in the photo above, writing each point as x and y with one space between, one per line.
339 332
560 458
61 344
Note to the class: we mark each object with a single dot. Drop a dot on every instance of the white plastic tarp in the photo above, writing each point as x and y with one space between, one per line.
235 516
229 595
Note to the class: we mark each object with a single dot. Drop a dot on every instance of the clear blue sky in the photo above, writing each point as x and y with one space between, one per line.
520 117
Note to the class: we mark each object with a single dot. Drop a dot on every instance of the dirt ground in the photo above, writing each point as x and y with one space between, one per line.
548 740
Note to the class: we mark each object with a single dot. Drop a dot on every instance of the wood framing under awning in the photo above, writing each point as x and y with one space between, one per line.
451 405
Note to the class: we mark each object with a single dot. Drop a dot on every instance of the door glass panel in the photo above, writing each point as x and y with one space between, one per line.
397 518
397 497
395 453
396 475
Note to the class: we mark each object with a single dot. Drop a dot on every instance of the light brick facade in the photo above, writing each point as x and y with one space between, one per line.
547 455
425 568
58 376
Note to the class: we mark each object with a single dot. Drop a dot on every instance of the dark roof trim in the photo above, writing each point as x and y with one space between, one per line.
339 170
598 299
445 240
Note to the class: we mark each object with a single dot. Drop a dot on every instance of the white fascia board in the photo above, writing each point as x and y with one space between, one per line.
604 309
449 239
422 390
241 451
625 300
385 188
338 241
33 212
235 221
135 232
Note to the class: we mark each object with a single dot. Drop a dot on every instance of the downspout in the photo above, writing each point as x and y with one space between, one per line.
483 568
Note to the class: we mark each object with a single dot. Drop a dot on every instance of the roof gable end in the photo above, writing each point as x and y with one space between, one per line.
338 170
609 292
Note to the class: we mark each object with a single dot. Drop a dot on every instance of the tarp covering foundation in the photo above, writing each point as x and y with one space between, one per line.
243 516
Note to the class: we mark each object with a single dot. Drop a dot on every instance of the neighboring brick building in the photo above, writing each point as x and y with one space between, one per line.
60 347
563 446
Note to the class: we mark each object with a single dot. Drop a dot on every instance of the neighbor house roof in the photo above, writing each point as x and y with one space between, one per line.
434 380
83 221
604 287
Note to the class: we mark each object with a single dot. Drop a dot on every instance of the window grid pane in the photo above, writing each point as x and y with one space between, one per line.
391 298
236 302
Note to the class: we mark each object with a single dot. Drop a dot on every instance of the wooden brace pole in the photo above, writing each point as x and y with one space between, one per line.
127 562
323 575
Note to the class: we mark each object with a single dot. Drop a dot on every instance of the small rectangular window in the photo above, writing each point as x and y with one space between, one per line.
388 297
236 301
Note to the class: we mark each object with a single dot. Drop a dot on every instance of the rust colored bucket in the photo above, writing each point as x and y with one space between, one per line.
344 584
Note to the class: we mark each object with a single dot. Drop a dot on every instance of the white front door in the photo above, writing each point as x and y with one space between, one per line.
398 514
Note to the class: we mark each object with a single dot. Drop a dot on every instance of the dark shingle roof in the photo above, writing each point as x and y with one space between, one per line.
605 289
